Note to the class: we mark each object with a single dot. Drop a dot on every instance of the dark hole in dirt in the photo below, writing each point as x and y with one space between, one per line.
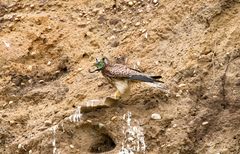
103 144
85 55
64 69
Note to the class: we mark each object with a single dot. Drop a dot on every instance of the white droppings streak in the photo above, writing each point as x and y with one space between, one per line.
76 117
53 129
133 136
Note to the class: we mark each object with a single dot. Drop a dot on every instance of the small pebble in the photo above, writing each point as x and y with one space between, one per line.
130 139
205 123
113 118
30 81
178 95
29 68
19 146
130 3
49 63
48 123
155 1
143 30
11 122
146 35
182 85
10 102
32 6
138 63
41 81
137 24
100 125
33 53
4 105
156 116
89 121
100 84
79 69
125 27
71 146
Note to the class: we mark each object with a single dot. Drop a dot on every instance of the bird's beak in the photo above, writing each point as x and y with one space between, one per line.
92 71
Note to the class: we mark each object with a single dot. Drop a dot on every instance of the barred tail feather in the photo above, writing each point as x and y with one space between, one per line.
145 78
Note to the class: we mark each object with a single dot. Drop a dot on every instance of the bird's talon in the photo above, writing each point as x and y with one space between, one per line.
117 95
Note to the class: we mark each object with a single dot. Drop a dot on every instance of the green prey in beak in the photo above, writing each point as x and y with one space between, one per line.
100 64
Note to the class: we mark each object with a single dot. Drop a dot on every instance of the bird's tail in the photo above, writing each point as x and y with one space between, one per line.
156 78
160 85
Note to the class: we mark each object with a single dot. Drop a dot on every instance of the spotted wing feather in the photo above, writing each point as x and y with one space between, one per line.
122 71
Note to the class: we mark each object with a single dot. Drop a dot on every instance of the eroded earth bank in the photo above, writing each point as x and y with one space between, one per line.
47 47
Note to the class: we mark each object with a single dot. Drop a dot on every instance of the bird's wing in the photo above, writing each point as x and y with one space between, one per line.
122 71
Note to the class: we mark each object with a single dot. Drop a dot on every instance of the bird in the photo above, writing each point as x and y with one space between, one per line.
121 76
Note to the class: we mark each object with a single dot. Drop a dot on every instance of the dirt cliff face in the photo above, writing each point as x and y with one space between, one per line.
47 47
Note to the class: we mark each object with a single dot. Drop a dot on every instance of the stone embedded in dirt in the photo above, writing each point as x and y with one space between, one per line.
41 81
19 146
100 84
130 3
113 118
30 68
48 123
4 105
138 63
100 125
137 24
156 116
49 63
71 146
95 104
182 85
178 95
10 102
12 122
146 35
205 123
32 6
155 1
89 121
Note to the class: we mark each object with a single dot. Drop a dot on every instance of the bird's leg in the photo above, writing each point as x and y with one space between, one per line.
117 94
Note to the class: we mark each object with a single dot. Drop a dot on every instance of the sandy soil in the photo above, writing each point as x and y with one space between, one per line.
47 47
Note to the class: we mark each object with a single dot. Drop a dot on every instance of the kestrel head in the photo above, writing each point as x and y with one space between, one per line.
100 64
